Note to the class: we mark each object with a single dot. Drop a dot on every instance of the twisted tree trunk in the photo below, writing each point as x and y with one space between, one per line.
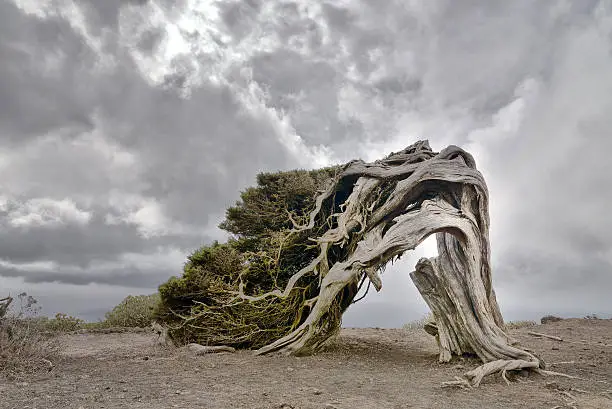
394 205
5 303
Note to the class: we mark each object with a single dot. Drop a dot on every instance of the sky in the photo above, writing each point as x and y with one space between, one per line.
128 127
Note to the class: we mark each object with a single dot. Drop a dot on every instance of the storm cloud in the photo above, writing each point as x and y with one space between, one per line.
127 128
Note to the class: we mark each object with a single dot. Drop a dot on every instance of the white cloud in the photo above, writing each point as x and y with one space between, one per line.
36 266
146 213
47 212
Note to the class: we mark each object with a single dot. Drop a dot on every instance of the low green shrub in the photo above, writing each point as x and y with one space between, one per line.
62 323
133 311
520 324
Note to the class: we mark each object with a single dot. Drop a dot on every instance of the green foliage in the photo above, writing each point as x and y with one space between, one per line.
62 323
202 305
263 209
133 311
520 324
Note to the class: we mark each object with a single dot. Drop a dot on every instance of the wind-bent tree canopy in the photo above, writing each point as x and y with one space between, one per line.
300 256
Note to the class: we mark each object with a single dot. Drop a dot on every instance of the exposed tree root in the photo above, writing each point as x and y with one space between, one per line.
198 349
474 377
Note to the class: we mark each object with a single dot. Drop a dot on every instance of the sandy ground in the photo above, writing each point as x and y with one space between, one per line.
362 368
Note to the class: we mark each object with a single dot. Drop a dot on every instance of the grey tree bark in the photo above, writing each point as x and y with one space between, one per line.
396 203
5 303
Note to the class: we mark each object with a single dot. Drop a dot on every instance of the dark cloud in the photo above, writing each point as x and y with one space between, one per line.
240 17
39 58
189 156
340 18
126 128
150 40
125 276
85 244
105 14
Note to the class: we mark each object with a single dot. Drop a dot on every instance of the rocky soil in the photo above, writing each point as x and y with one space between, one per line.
362 368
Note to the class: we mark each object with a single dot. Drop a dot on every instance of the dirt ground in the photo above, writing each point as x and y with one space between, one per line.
362 368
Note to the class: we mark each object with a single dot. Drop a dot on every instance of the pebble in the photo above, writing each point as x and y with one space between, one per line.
552 385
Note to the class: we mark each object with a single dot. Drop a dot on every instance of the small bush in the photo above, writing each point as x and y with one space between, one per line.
133 311
550 318
63 323
520 324
420 323
25 345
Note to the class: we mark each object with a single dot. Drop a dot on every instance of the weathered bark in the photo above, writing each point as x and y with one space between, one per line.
5 303
427 193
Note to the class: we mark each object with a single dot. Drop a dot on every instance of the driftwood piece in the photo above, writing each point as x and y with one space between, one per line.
5 303
540 335
162 334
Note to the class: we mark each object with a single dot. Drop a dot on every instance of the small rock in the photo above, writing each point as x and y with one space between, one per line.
552 385
550 318
555 348
290 369
317 392
330 406
145 358
458 367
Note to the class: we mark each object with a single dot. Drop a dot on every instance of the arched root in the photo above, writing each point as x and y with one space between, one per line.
474 377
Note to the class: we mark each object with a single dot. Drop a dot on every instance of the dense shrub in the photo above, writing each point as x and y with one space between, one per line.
202 304
133 311
550 318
